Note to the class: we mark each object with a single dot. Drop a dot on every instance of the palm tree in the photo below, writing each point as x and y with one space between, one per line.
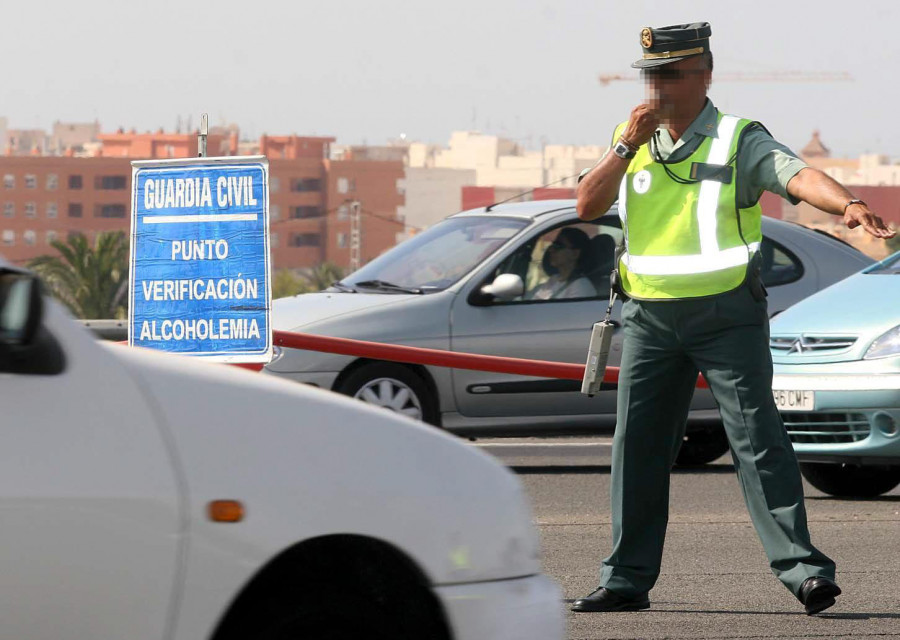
90 281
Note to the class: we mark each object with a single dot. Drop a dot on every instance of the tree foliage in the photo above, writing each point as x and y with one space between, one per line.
92 281
323 275
286 282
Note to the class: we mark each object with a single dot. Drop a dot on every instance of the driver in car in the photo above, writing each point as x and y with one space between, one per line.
564 261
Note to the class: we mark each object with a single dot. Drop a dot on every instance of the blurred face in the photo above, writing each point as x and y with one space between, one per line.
676 84
563 255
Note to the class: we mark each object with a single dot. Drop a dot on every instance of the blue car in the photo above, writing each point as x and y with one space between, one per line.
837 381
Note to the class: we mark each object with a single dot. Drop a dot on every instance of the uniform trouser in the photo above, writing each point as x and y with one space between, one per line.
726 338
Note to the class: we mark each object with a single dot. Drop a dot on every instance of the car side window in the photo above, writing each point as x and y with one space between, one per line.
568 262
779 265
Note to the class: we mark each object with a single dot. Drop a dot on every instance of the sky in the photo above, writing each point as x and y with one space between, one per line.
369 71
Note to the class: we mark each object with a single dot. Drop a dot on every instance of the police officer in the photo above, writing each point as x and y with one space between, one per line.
688 179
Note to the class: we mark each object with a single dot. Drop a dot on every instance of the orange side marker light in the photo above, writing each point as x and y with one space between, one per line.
225 511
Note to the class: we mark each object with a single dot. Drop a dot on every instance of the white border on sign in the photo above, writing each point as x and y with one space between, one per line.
263 356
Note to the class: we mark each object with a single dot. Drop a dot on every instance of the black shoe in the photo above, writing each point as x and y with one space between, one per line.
817 594
605 600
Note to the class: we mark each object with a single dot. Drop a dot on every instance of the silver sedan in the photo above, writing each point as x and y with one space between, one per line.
523 280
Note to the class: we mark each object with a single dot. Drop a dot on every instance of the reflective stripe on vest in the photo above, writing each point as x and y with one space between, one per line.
708 202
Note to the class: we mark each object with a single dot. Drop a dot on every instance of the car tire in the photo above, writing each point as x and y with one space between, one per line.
851 480
330 621
702 445
394 387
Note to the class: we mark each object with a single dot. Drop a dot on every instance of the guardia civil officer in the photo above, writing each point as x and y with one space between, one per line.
688 179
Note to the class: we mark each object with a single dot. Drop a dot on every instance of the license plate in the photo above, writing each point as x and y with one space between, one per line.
794 400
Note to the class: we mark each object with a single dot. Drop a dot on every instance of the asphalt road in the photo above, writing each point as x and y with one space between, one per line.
715 580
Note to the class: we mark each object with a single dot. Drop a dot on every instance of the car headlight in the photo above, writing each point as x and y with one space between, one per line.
885 345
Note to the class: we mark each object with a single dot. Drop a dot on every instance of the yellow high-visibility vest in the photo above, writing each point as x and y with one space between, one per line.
686 240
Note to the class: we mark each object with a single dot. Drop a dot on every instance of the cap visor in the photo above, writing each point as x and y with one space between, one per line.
657 62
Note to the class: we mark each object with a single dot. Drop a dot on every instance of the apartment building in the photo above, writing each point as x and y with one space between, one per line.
43 198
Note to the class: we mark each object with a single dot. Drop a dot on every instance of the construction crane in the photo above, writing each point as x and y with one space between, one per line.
762 76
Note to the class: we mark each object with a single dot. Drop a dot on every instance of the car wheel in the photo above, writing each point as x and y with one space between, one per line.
332 622
851 480
392 386
702 445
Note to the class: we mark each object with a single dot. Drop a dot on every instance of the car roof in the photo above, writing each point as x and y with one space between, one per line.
530 210
533 209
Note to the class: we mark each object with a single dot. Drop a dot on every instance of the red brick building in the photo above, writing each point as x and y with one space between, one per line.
43 198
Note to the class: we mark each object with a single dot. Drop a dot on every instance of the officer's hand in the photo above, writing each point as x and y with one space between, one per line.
860 215
641 125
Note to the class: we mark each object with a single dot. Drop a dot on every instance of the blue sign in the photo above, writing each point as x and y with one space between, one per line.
200 268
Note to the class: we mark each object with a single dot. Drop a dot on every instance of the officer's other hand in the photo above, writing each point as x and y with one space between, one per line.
641 125
860 215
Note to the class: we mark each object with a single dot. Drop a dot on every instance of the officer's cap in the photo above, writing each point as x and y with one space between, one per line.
671 44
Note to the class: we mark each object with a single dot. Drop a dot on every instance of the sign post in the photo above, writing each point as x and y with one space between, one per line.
200 270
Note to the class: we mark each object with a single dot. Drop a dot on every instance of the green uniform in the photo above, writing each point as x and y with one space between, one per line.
725 337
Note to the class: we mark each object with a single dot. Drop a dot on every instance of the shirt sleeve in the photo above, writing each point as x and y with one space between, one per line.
765 164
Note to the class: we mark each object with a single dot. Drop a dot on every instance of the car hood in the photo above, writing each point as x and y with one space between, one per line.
854 308
309 463
300 311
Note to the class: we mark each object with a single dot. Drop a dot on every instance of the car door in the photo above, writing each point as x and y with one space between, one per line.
787 271
551 321
89 511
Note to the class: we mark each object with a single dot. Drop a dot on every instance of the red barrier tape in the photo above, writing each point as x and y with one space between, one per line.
438 358
433 357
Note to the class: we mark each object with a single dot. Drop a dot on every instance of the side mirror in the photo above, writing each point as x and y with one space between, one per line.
506 286
21 308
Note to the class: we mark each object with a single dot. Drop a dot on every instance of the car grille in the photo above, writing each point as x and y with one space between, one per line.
819 428
811 345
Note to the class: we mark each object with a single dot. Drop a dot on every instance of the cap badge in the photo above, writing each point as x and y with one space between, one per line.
646 37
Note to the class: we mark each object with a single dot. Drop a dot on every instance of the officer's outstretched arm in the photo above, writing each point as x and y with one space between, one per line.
825 193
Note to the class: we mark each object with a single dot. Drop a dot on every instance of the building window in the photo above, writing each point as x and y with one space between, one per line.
110 182
9 209
52 181
274 185
30 237
74 209
30 210
342 240
9 181
305 240
9 237
52 209
75 182
343 185
305 212
273 240
51 237
306 184
109 211
30 181
274 212
71 235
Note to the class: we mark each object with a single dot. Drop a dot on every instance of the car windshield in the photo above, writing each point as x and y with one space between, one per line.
890 265
436 258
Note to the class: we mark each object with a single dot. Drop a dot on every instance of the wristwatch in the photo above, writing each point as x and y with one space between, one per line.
854 201
623 150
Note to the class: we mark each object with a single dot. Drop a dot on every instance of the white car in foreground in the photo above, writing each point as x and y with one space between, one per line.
149 496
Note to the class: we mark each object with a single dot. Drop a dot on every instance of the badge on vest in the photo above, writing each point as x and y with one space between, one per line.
641 181
716 172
